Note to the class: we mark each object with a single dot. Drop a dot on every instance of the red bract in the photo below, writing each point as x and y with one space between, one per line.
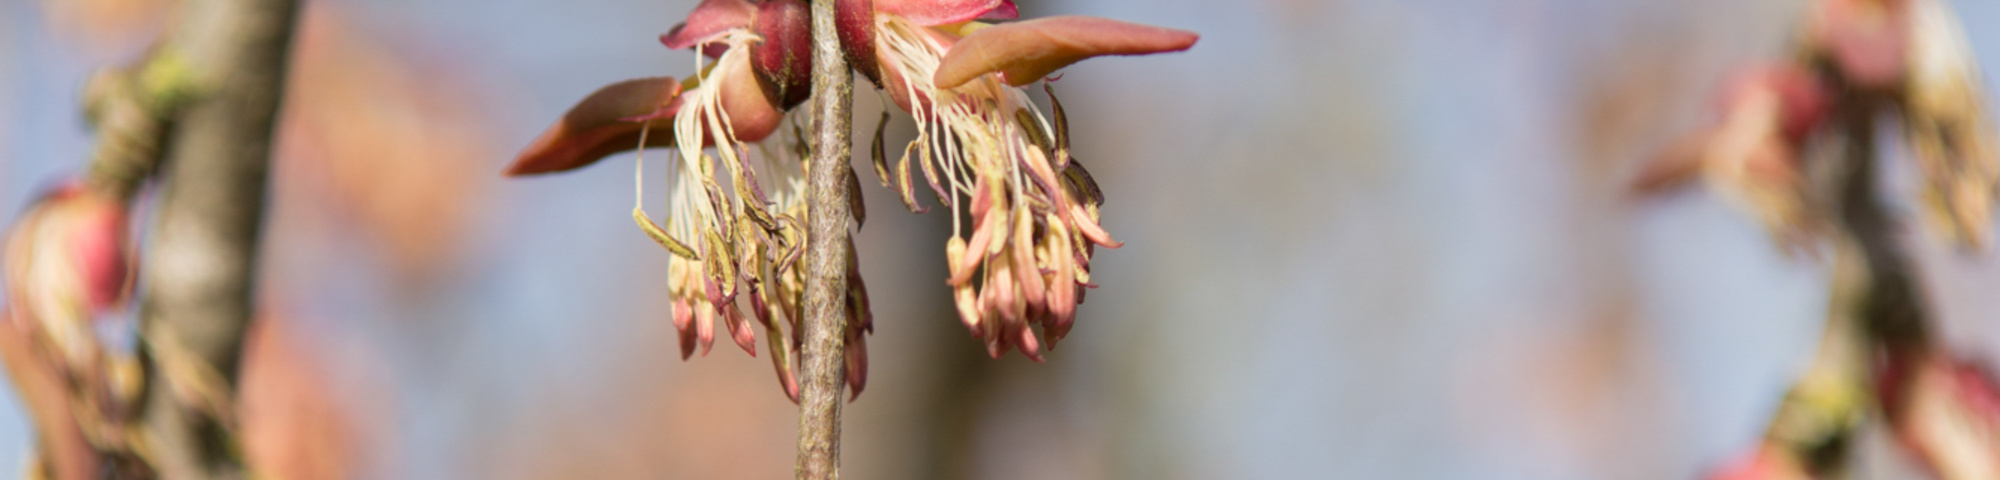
601 125
68 253
776 34
783 60
1027 51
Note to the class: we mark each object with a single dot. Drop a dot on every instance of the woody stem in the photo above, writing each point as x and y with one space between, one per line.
199 269
1876 307
822 370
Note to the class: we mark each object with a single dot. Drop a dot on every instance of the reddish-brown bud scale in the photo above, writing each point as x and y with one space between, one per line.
783 62
854 21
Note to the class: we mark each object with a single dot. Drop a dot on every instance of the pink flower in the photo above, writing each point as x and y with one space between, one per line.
1904 56
989 153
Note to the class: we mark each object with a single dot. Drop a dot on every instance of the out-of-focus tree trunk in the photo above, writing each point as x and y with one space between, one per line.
198 272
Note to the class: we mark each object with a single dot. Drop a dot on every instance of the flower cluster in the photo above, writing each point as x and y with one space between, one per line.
736 227
1906 55
990 154
738 212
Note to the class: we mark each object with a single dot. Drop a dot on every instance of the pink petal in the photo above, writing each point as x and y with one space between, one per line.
709 19
940 12
752 114
598 126
1027 51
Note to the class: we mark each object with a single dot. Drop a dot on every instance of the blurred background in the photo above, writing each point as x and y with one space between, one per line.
1365 239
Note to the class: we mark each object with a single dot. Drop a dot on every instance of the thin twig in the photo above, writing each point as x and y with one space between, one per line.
201 263
826 254
1875 307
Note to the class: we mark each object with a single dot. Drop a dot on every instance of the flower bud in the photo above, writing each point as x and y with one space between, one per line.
66 265
784 60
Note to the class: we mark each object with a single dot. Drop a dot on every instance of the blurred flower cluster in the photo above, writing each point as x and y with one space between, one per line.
1909 56
738 212
1795 147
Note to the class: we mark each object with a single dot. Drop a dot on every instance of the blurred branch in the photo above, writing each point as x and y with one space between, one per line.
198 272
1875 307
826 253
132 110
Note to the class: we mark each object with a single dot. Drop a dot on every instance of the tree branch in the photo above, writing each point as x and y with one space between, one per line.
1875 308
826 253
198 273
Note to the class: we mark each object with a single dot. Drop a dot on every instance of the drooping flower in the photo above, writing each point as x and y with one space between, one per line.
1915 52
745 241
990 154
1948 127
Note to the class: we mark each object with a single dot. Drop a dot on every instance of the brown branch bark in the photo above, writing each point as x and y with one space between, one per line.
199 269
828 215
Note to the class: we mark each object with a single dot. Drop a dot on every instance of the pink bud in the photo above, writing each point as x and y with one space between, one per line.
71 242
752 114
